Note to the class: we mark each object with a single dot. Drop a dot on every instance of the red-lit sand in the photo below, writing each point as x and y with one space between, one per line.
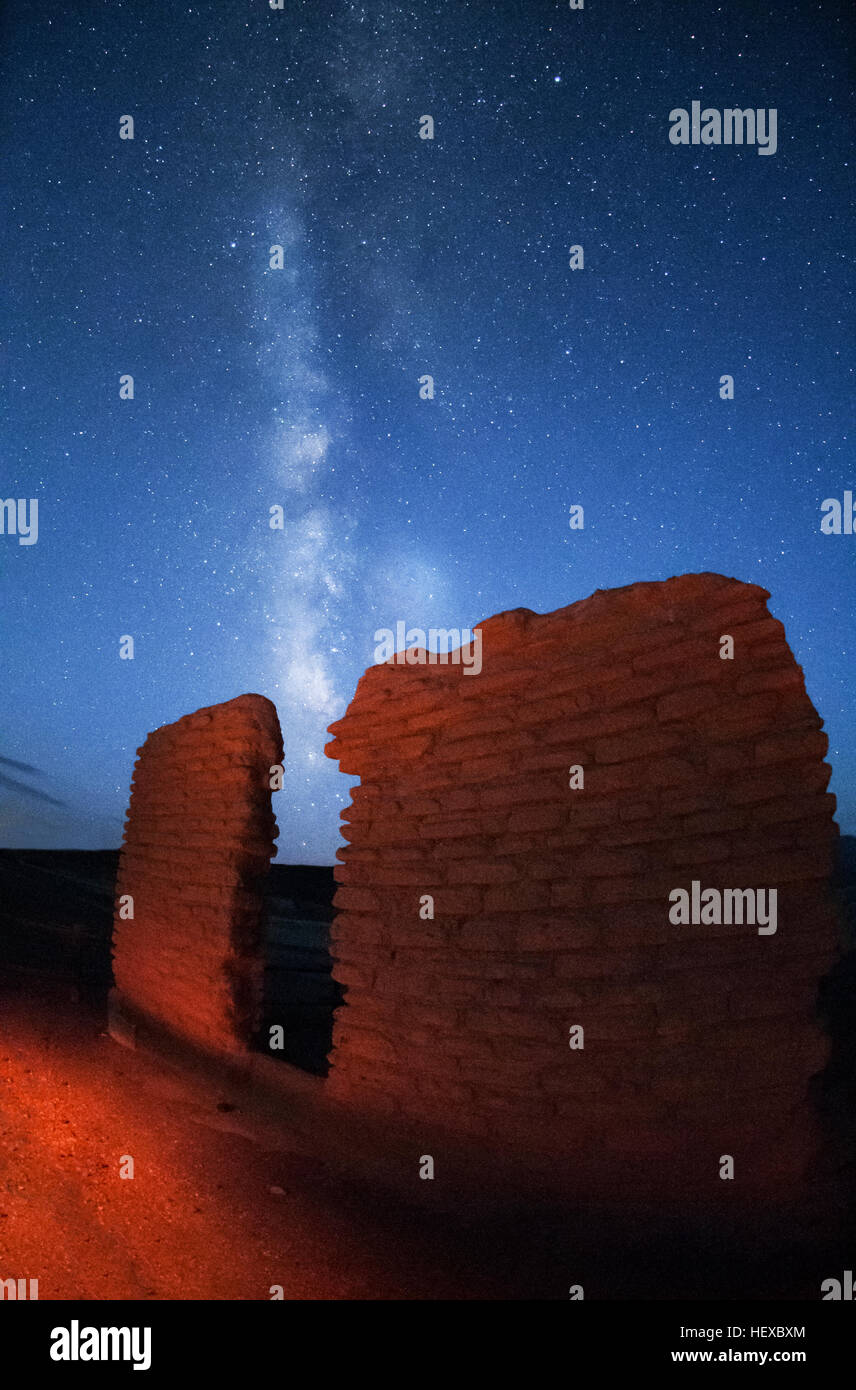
198 1221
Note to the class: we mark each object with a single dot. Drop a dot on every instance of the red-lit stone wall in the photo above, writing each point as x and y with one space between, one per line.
198 842
551 904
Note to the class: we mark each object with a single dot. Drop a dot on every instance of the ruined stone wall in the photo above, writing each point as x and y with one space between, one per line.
551 905
198 842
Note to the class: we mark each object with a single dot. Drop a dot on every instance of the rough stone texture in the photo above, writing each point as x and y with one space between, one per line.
551 906
198 842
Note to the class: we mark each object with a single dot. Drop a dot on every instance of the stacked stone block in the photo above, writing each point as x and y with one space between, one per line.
551 904
198 841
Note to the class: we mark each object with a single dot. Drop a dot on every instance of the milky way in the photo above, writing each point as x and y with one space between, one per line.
403 257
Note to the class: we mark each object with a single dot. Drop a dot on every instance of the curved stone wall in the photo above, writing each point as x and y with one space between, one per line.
198 841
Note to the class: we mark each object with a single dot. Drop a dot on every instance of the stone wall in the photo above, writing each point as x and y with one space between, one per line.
551 905
198 842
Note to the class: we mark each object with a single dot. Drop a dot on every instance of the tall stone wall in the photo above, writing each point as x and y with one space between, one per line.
551 902
198 842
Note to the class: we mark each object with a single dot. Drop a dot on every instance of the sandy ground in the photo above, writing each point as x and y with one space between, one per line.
220 1207
199 1220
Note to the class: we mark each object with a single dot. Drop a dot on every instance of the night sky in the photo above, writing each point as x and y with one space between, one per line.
403 256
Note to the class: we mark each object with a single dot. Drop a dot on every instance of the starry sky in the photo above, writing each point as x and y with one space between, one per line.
299 387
